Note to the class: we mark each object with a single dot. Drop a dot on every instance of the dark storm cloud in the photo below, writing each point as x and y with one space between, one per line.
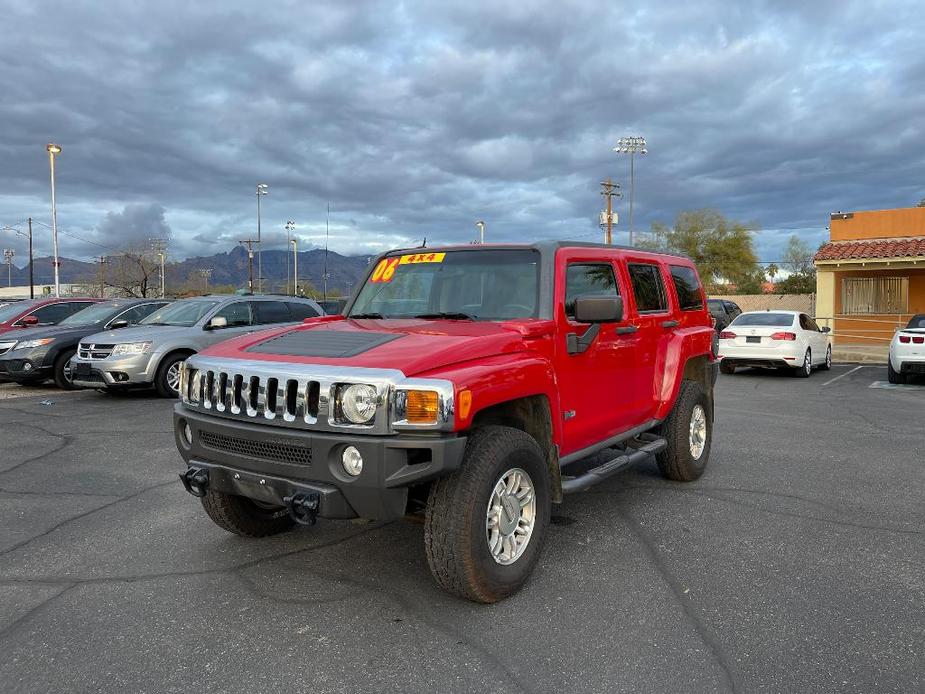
416 119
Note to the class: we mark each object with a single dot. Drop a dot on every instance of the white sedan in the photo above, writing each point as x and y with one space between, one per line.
907 351
775 339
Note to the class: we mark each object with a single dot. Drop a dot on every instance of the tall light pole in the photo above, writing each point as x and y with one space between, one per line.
295 266
262 190
54 149
8 254
631 146
481 225
290 227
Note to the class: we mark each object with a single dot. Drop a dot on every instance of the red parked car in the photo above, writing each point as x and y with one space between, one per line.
34 313
477 385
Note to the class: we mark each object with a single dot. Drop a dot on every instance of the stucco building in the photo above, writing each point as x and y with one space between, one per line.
870 276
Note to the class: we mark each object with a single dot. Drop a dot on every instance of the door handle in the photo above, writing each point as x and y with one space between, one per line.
670 324
626 329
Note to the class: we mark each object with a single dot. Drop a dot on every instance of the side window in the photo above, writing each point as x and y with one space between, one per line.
237 314
648 288
300 310
595 279
54 313
686 287
813 325
732 308
271 312
135 313
807 323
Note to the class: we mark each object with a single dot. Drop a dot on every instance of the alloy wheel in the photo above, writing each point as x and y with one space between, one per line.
173 377
511 516
698 432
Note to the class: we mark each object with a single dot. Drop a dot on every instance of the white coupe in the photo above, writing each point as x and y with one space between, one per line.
775 339
907 351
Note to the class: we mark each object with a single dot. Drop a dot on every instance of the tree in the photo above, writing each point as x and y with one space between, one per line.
802 273
921 203
134 273
720 248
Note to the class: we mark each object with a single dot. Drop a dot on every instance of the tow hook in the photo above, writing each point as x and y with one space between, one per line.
196 481
303 507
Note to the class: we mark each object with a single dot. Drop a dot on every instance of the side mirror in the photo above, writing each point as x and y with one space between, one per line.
216 323
116 324
598 309
29 320
825 330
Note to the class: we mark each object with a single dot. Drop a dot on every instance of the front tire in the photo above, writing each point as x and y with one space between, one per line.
242 516
689 433
167 379
892 375
62 371
827 364
485 524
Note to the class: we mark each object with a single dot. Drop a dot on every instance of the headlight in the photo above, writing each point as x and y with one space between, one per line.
131 348
29 344
356 403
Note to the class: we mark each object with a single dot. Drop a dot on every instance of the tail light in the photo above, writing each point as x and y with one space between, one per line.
918 340
905 339
726 335
784 336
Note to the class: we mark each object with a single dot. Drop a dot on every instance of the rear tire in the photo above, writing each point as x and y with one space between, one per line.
241 516
167 379
806 369
689 433
727 369
894 376
61 372
462 517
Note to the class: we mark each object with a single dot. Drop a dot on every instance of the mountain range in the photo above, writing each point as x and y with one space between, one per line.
230 268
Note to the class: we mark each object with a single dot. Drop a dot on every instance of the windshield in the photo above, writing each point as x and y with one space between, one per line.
476 285
773 320
14 309
95 314
185 313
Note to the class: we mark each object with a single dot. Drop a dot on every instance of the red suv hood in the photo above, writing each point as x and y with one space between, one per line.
413 346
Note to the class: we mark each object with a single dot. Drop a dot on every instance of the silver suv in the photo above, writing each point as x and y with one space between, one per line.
151 353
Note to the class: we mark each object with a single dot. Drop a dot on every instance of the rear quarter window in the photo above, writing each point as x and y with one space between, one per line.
687 288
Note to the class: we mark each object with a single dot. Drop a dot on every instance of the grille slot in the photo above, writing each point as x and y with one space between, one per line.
276 452
269 397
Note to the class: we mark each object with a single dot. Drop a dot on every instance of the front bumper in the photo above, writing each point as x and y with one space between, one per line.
26 365
269 463
134 370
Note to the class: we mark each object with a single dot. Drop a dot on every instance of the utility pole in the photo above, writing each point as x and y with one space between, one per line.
250 262
206 274
8 254
324 276
290 227
295 266
102 261
52 150
608 190
31 283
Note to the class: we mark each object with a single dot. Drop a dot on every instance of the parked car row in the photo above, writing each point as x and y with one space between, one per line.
128 343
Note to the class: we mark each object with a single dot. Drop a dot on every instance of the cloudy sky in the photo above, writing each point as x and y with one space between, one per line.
416 119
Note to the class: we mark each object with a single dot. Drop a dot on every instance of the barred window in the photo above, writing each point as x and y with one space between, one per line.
860 295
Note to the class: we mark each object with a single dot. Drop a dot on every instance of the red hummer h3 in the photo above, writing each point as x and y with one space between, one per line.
472 383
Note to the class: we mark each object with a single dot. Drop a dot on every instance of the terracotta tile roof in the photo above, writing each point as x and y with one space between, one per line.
873 248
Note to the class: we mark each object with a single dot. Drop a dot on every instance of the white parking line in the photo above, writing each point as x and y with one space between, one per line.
843 375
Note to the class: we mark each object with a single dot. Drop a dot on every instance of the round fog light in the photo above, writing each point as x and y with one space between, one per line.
188 433
352 461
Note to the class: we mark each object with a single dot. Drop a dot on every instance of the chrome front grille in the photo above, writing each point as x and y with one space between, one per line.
94 351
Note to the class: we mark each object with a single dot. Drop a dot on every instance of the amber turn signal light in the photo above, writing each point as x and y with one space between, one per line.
421 407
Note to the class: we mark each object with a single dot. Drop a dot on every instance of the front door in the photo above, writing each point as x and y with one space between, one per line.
595 385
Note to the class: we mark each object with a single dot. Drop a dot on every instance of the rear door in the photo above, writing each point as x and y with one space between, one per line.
596 386
655 320
271 312
818 341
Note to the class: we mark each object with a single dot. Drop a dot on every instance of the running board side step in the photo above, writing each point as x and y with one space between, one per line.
651 446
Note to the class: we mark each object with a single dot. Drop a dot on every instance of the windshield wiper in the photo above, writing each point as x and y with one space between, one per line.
156 324
365 315
449 315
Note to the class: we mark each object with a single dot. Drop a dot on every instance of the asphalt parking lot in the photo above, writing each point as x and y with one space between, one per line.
797 563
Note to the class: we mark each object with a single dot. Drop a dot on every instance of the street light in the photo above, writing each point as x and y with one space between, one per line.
8 254
290 227
54 149
262 190
631 146
295 266
481 225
